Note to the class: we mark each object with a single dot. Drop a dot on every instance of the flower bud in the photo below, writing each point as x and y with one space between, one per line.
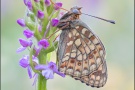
57 5
25 43
29 4
43 43
28 33
47 2
54 22
21 22
40 14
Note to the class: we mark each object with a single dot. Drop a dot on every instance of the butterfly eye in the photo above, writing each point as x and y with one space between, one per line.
75 11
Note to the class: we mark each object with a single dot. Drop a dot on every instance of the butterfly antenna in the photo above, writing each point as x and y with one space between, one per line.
58 6
110 21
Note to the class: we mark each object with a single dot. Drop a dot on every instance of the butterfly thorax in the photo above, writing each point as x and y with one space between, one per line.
67 20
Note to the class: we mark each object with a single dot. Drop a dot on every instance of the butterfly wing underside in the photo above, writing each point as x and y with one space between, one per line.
81 55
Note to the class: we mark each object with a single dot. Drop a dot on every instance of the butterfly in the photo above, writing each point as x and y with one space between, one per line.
81 53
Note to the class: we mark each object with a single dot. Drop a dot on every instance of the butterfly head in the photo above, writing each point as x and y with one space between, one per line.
76 10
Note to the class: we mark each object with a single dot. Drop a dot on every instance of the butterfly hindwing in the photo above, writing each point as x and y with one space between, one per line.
81 55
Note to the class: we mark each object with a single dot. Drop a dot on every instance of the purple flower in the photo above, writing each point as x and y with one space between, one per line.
57 5
25 2
54 22
28 33
49 70
47 2
29 4
24 62
36 0
25 43
43 43
21 22
40 14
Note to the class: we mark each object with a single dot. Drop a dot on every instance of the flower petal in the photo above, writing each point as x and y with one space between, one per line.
57 5
25 43
29 4
44 43
21 22
24 62
29 71
20 49
28 33
40 14
54 22
47 2
35 79
41 67
48 74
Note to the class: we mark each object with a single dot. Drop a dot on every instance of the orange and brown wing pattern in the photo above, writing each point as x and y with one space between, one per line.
81 55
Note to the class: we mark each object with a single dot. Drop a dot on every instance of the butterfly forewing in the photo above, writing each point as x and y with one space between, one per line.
81 55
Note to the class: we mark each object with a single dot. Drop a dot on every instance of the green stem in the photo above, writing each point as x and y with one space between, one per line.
42 83
41 80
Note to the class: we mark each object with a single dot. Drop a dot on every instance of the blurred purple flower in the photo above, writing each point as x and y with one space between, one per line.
47 2
49 70
29 4
25 2
43 43
40 14
28 33
24 62
21 22
54 22
57 5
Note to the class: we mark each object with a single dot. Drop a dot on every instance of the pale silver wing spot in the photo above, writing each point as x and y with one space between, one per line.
63 70
79 57
67 54
77 34
70 43
65 58
98 78
92 47
78 42
92 77
101 80
87 50
77 74
95 41
77 27
96 82
84 30
85 72
70 35
69 71
73 55
90 35
101 52
78 52
84 56
98 61
92 67
74 32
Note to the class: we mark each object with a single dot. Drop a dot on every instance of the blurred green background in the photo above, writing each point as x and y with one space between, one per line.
118 41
